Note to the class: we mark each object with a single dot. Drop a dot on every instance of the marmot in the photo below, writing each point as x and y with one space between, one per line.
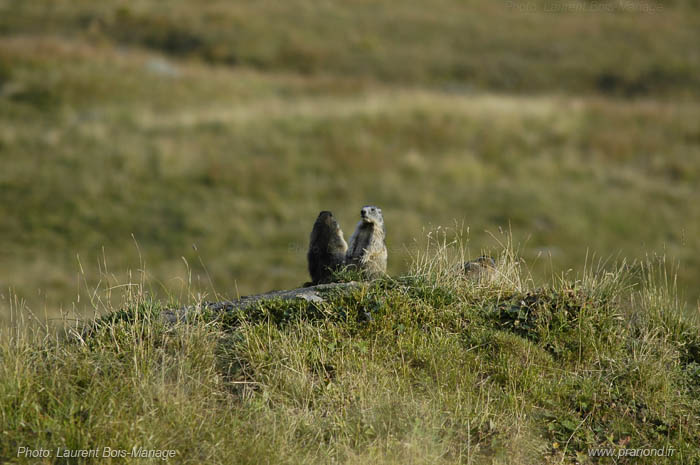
327 248
478 269
367 250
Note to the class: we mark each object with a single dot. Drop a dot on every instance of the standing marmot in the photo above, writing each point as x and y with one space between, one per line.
367 250
327 248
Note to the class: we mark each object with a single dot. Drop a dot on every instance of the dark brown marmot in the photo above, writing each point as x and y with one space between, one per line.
327 249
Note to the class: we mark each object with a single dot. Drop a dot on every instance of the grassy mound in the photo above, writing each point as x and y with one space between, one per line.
426 368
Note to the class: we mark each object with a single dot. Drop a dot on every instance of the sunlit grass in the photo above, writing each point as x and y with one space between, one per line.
445 370
156 158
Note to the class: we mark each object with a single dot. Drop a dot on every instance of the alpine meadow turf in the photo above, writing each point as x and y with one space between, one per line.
156 154
429 367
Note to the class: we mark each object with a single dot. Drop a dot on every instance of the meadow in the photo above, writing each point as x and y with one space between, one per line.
159 154
425 368
131 135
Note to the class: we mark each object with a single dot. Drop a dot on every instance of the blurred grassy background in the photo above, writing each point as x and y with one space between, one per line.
229 125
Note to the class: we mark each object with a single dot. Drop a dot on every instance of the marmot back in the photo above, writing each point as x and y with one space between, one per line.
367 249
479 269
327 248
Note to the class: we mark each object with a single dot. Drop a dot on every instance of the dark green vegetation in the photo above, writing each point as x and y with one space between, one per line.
504 46
444 371
230 126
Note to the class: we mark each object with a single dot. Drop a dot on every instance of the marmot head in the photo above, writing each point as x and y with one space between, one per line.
326 218
327 229
372 214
